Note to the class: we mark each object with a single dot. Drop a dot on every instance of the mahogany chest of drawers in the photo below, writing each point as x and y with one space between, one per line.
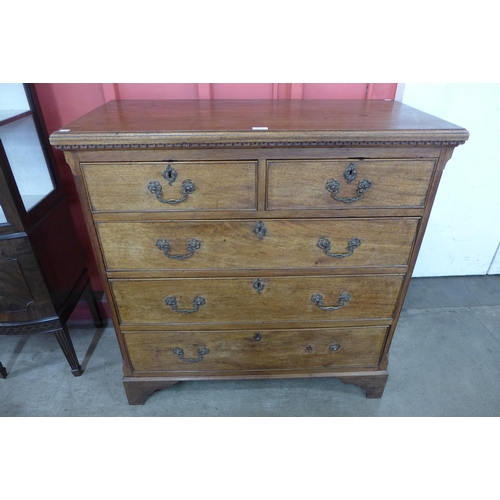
256 239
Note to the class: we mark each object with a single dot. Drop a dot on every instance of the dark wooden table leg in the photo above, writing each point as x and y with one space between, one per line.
3 371
89 296
64 339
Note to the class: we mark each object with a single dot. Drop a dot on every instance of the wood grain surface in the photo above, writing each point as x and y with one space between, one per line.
124 186
235 300
296 184
188 122
239 350
233 244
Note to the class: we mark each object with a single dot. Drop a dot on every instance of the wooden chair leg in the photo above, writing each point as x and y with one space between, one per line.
64 339
3 371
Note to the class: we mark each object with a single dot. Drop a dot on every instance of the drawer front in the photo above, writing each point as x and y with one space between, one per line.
268 300
194 186
240 350
341 184
270 244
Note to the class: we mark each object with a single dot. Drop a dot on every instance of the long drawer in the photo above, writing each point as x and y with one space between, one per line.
267 300
143 186
269 244
255 350
341 184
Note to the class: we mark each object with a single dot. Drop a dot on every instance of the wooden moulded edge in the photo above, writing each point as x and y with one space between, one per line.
200 139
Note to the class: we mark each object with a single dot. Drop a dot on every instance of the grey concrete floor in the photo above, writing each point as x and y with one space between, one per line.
444 361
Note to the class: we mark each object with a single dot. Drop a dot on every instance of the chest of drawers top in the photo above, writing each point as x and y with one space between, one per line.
255 123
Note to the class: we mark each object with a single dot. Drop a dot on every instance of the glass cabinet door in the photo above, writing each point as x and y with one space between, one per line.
22 145
3 219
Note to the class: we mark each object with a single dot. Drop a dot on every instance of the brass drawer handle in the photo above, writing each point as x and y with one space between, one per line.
202 351
192 245
331 348
318 299
187 187
324 244
197 303
350 173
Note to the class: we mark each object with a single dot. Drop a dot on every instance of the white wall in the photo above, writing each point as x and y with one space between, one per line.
463 233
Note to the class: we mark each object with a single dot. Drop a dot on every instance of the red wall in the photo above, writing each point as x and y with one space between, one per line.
62 103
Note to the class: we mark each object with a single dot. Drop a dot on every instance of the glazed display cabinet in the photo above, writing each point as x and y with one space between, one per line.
42 271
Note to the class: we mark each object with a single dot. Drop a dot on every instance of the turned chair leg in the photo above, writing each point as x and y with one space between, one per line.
64 339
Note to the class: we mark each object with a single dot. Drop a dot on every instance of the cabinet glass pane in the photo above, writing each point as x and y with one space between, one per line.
3 219
22 145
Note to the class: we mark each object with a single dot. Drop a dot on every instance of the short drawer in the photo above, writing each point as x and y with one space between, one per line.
341 184
253 244
172 186
266 300
256 350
